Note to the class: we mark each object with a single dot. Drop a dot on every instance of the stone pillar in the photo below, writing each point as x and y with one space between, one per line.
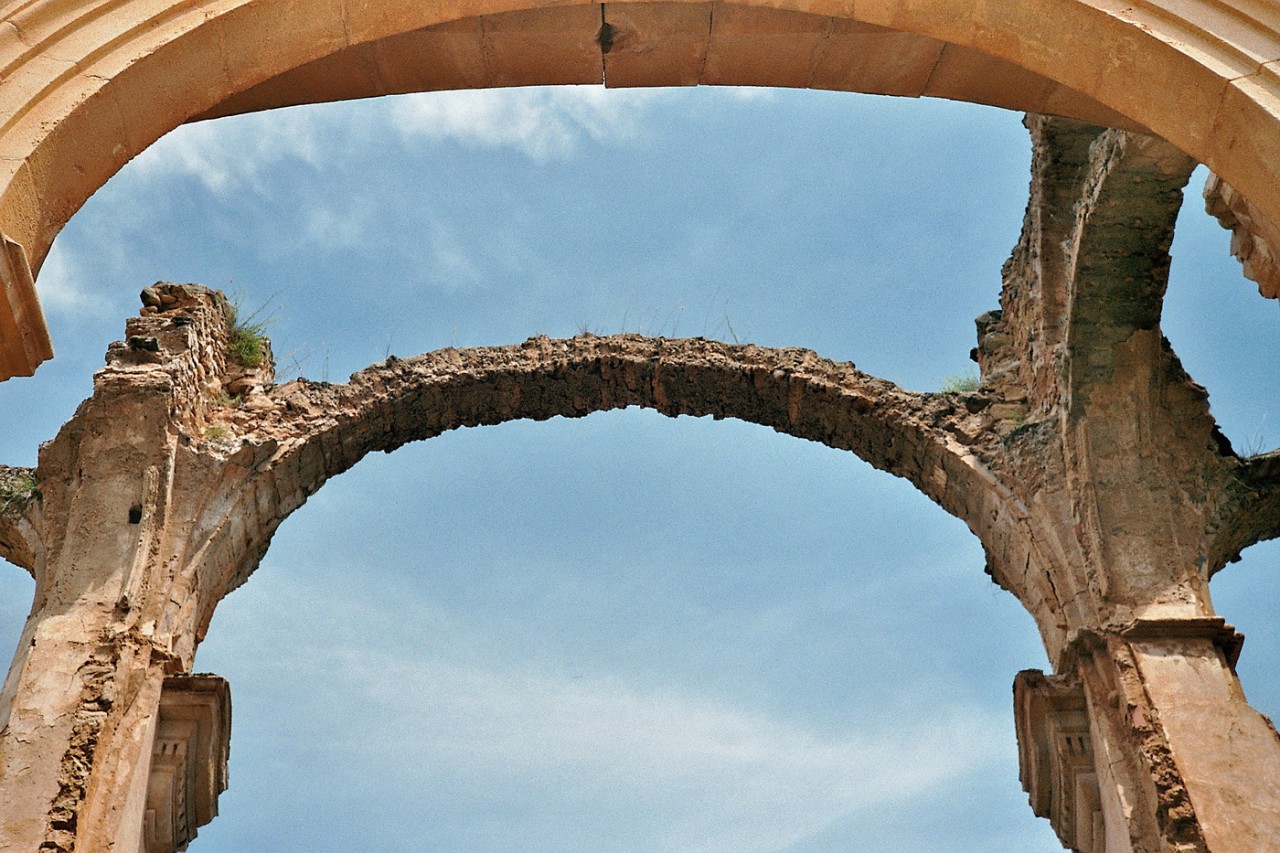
1146 743
119 593
1132 499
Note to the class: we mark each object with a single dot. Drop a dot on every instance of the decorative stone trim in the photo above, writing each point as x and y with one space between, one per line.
188 760
1055 756
1213 628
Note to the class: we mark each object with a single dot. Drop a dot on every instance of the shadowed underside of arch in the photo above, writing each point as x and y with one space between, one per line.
86 86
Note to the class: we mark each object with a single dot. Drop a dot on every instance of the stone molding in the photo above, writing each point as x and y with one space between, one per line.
1055 756
188 760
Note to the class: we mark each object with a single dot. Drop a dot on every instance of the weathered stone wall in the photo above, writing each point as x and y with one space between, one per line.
112 536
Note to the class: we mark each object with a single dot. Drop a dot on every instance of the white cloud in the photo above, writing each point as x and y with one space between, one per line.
331 227
452 266
236 153
725 778
751 93
543 124
66 291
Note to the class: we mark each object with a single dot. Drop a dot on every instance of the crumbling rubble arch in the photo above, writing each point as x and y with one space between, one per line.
315 431
88 86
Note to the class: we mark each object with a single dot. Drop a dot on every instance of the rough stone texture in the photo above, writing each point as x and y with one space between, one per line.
1254 239
1133 496
88 85
113 538
188 760
1087 464
19 498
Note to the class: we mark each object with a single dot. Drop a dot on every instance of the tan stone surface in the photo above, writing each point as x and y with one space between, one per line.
656 44
865 58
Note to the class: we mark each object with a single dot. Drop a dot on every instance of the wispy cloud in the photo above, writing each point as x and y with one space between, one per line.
452 267
685 771
751 93
66 291
236 153
338 226
543 124
725 778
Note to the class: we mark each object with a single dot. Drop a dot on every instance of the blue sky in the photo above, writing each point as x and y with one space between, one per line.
626 632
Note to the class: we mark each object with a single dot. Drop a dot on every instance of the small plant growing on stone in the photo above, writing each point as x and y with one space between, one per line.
217 432
1256 443
247 344
17 490
227 401
960 383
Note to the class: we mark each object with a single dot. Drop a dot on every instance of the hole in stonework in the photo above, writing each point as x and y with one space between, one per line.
1220 327
135 514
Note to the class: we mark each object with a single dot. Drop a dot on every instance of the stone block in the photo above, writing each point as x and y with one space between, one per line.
661 44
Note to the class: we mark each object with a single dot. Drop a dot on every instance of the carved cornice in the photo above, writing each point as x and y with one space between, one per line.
188 760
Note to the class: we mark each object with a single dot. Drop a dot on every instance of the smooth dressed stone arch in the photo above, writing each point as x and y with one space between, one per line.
86 86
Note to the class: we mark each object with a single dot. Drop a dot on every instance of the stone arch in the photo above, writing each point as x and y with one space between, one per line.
88 86
305 433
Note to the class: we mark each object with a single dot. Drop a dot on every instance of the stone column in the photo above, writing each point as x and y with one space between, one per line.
113 535
1133 499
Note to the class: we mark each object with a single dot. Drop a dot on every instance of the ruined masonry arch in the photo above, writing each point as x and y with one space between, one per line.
314 431
87 86
198 520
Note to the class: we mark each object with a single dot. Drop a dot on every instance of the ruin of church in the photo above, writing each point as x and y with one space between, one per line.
1086 462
